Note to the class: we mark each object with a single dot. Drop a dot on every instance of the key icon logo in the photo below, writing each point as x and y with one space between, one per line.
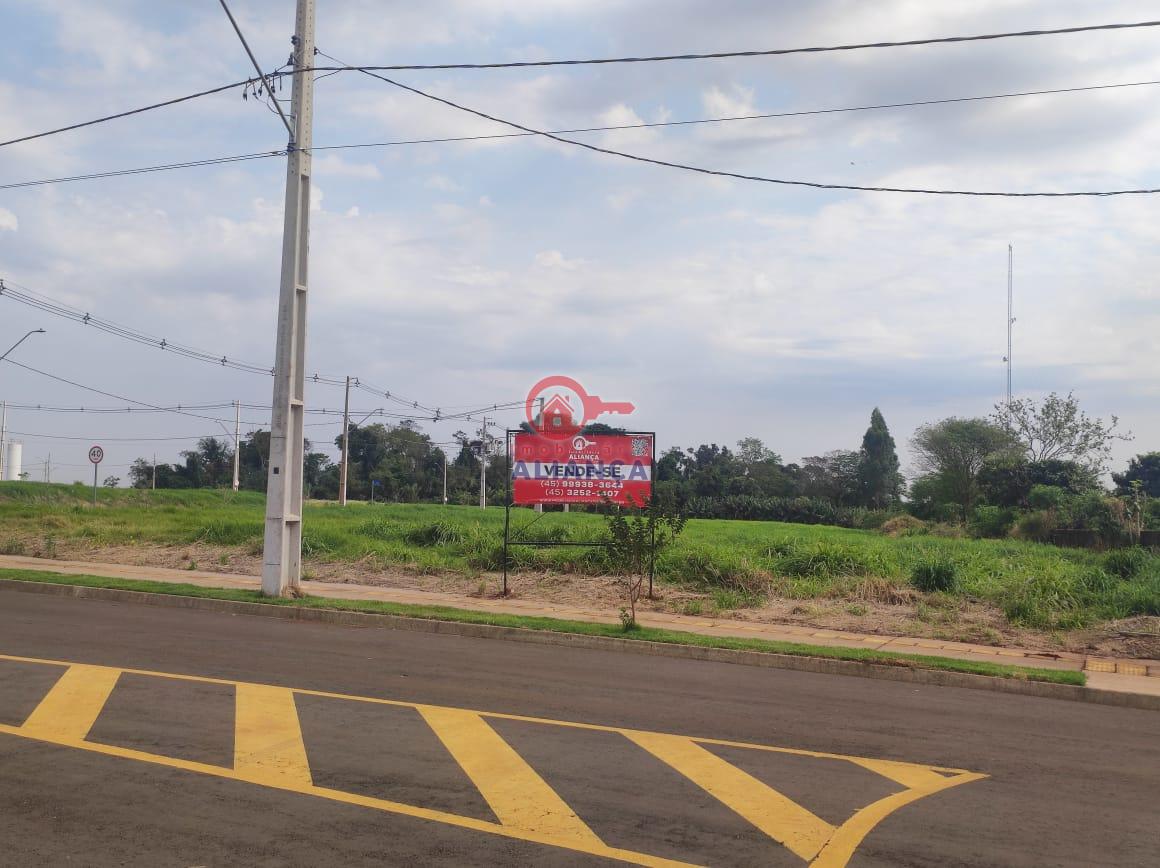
558 405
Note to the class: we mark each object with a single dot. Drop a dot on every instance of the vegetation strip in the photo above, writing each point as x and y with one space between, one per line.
649 634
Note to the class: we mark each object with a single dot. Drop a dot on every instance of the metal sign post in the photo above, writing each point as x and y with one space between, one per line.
96 456
593 469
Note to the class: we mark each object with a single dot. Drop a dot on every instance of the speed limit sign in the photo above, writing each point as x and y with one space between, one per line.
96 455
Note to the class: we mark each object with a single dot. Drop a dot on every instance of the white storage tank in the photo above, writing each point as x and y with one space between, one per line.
12 468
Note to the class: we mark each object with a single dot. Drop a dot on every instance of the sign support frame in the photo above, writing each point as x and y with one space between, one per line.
510 433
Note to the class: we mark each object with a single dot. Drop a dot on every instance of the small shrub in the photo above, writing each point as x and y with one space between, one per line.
821 559
947 530
692 607
935 574
439 533
857 610
229 532
1046 497
991 522
1098 582
12 547
903 525
1126 563
1035 526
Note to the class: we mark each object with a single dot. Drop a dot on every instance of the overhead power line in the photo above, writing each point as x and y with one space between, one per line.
771 52
108 439
258 69
768 52
117 397
26 296
130 112
142 170
740 176
213 161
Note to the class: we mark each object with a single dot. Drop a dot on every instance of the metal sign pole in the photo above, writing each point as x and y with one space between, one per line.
96 456
507 505
652 519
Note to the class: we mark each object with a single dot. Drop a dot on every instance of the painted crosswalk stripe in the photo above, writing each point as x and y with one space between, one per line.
518 795
777 816
69 710
268 746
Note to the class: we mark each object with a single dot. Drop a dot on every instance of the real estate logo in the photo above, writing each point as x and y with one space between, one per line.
558 406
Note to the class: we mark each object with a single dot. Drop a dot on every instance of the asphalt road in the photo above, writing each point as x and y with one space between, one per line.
453 751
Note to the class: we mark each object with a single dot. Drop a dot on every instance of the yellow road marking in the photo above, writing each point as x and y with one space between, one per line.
518 795
267 737
840 848
269 752
780 818
69 710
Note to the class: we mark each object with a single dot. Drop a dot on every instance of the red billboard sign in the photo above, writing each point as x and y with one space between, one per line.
582 468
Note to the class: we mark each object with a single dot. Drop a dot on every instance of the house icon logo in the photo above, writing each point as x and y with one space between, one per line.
558 406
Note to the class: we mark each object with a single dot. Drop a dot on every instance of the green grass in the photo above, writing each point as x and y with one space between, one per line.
585 628
1035 585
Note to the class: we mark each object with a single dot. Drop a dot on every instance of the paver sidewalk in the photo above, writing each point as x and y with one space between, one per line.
1134 676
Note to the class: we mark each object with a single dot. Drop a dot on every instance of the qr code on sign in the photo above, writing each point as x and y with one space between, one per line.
639 447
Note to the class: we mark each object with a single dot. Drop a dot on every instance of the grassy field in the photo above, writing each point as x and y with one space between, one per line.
1035 585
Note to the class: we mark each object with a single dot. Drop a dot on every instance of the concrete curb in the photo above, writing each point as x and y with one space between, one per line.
821 665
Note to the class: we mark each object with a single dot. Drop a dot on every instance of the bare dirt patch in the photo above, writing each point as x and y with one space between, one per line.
873 607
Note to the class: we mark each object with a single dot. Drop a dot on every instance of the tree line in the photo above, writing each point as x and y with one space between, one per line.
1030 467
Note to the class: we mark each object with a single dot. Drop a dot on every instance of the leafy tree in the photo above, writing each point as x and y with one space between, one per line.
1056 428
832 477
1005 480
954 451
1144 469
111 481
878 473
634 534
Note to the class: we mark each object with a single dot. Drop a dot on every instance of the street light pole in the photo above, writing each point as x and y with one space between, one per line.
4 404
282 547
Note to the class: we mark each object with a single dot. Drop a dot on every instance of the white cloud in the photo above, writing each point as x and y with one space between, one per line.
443 184
556 259
332 165
8 220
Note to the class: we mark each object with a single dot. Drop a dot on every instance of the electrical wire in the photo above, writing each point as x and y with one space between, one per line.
771 52
213 161
26 296
128 113
107 439
817 185
117 397
142 170
607 60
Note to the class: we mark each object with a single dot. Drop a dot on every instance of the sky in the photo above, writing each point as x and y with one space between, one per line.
459 274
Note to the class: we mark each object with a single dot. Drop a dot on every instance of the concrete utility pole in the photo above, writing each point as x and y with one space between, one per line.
445 479
342 470
282 551
237 443
154 471
483 465
3 432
